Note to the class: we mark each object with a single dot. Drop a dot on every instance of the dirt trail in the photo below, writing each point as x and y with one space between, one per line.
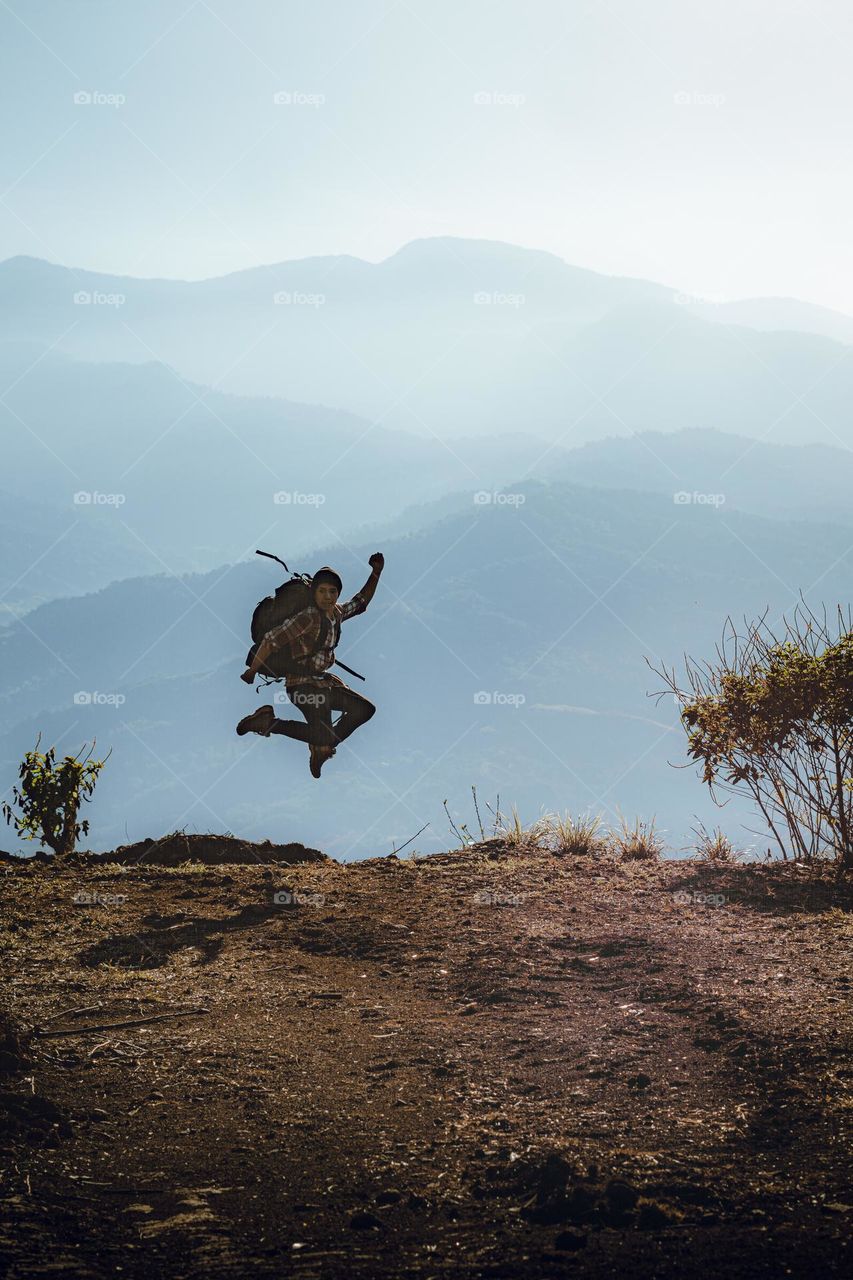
485 1063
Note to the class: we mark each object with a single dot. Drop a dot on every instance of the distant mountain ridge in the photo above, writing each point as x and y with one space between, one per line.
182 477
505 643
452 337
783 482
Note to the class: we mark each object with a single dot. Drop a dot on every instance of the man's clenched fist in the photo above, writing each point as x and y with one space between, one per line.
377 562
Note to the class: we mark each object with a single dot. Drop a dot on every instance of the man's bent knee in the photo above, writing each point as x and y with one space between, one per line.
363 709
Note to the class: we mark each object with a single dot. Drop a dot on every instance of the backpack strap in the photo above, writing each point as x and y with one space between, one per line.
325 626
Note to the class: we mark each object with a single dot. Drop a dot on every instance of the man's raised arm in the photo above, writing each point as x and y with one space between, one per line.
377 564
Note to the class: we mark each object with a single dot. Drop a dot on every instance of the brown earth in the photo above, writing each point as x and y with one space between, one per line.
179 847
484 1063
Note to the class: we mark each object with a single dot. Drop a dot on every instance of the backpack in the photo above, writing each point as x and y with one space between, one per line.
290 598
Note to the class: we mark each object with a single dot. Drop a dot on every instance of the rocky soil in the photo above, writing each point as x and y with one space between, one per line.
493 1062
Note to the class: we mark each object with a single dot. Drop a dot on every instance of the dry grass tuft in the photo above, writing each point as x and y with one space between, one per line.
579 837
715 846
638 843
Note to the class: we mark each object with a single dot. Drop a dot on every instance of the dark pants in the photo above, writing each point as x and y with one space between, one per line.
317 702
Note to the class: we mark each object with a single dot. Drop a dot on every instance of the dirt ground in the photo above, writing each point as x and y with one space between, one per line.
485 1063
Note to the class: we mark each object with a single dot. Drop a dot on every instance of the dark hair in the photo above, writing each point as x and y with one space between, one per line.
326 574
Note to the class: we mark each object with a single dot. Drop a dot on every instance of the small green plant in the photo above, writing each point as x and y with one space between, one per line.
639 843
579 836
50 795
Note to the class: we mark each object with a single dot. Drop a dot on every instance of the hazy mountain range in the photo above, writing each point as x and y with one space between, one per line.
142 472
568 474
454 336
699 467
548 605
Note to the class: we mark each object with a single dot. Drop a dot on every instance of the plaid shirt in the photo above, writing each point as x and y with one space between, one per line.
302 631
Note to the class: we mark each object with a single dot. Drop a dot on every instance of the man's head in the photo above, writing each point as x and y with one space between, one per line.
326 586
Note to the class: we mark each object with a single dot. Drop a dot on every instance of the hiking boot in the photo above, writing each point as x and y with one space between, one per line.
319 756
260 721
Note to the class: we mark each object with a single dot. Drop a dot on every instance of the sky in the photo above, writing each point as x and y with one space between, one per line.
707 147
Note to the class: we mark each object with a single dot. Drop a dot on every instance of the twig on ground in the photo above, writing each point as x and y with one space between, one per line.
411 838
110 1026
67 1013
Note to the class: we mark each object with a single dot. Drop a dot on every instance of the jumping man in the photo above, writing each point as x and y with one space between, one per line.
314 690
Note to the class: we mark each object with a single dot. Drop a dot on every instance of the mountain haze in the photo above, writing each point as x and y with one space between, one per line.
455 336
549 606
